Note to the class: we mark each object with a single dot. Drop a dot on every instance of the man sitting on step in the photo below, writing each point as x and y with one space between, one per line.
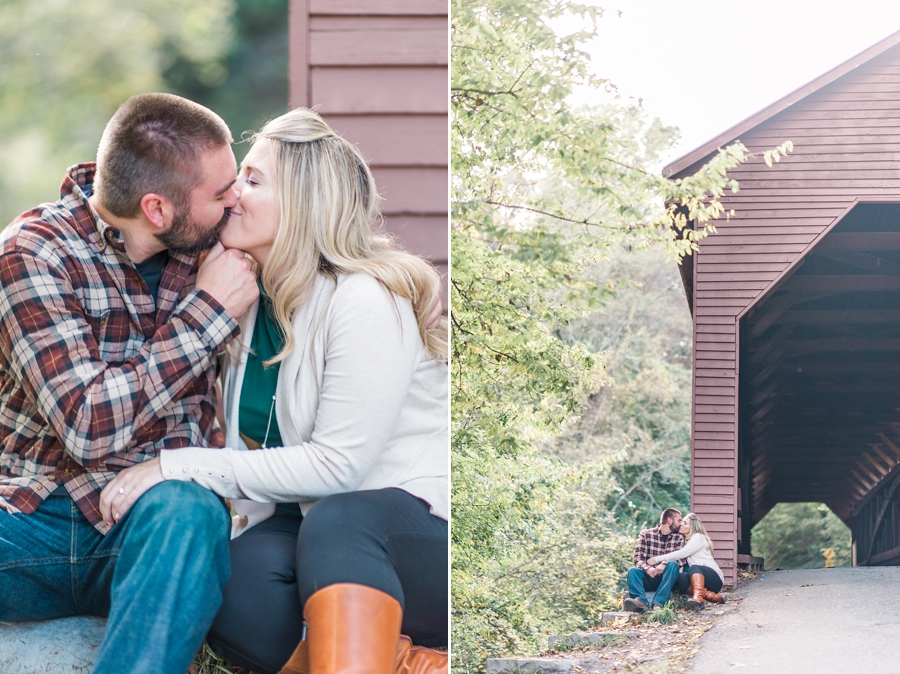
643 577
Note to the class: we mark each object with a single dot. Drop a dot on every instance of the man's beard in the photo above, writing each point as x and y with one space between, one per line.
186 236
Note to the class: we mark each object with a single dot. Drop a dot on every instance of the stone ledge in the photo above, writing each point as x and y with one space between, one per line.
529 666
65 646
580 639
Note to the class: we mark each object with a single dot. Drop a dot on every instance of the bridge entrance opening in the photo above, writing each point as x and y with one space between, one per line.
819 385
802 536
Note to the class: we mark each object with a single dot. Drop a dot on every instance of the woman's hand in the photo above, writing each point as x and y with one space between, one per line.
653 561
127 487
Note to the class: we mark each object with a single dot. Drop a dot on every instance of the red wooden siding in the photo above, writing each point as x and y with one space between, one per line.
846 137
377 71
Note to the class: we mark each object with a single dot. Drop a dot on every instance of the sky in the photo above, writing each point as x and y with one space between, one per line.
705 65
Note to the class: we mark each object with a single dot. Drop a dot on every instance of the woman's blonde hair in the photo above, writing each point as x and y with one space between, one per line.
328 215
696 527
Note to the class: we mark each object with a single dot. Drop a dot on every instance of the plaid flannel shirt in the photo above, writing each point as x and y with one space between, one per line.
94 376
651 544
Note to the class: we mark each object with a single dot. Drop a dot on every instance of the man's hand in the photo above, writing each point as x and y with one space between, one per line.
228 276
651 571
127 487
660 568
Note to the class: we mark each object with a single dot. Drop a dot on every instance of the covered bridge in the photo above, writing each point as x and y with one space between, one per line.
796 308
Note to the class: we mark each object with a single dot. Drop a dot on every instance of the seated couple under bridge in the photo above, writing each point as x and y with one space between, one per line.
676 554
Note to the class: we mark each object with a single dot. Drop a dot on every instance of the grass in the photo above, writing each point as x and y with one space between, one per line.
207 662
664 615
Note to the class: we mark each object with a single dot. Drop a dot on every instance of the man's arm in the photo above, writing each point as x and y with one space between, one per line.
642 553
96 408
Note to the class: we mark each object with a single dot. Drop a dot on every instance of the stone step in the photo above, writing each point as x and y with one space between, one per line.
581 639
529 666
610 616
65 646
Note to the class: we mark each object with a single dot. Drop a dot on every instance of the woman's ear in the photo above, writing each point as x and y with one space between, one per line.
158 210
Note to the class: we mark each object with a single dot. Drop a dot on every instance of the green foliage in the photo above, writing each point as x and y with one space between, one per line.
250 85
794 536
664 615
540 191
67 68
638 422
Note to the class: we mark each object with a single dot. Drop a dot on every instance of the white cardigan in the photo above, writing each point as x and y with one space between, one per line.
696 553
360 404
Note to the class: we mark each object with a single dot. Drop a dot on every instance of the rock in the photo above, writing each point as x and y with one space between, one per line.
609 616
68 645
528 666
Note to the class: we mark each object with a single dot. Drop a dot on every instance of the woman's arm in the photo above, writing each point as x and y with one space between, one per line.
696 543
372 351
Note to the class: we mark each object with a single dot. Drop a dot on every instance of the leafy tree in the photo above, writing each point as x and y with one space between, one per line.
250 85
638 422
540 188
795 536
67 68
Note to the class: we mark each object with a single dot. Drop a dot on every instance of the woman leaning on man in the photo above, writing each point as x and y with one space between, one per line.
342 390
706 578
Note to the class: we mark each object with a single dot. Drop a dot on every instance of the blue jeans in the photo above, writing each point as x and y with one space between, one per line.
639 583
158 575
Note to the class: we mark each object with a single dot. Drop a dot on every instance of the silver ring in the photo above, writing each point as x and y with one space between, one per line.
123 492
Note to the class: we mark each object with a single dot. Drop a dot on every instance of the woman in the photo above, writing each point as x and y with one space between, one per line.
343 391
706 578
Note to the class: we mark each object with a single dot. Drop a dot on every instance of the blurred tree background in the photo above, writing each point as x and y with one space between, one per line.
795 536
68 67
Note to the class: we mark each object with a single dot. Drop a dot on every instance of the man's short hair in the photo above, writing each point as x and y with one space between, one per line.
668 513
153 144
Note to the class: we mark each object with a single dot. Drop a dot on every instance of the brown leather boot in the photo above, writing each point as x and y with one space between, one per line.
299 662
698 588
350 629
713 597
419 659
410 659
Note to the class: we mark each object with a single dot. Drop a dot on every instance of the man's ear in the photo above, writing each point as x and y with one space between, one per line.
159 210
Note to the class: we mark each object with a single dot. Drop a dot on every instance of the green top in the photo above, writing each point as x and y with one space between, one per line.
260 382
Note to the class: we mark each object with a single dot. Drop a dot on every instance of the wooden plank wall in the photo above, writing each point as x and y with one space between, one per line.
846 141
377 71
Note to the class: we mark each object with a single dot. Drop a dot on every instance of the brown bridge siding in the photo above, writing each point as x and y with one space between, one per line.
845 137
377 71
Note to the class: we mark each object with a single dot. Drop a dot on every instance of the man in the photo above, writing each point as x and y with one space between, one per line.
642 577
109 327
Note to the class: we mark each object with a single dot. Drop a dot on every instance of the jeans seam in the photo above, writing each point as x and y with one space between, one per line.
33 561
73 571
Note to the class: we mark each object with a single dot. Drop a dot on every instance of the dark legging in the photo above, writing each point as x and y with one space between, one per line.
386 539
711 580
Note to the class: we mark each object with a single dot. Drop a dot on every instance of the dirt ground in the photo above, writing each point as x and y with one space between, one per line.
641 647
